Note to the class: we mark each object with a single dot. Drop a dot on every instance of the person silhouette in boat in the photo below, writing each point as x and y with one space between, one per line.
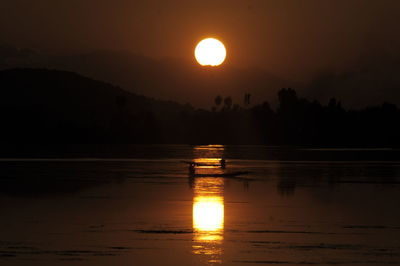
223 163
192 169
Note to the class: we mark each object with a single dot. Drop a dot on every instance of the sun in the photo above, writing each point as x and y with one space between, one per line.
210 52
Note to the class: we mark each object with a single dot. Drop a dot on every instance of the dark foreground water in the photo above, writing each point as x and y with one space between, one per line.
149 211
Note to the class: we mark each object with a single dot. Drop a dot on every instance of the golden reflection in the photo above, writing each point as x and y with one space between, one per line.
207 163
208 203
208 218
208 215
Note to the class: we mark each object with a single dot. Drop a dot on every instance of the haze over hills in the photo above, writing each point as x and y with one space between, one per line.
167 79
372 81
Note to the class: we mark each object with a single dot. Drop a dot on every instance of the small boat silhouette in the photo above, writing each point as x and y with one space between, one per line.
221 163
226 175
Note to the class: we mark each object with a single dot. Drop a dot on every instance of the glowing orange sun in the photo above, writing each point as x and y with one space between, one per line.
210 52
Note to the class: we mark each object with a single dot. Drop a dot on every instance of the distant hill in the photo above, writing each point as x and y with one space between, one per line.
39 105
372 81
167 79
46 112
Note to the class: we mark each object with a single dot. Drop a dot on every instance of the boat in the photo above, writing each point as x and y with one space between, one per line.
227 175
201 164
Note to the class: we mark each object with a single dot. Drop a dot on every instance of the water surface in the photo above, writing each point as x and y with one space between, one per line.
149 211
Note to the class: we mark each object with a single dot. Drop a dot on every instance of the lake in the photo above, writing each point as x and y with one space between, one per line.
287 207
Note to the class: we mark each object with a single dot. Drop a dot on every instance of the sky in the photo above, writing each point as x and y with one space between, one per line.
291 38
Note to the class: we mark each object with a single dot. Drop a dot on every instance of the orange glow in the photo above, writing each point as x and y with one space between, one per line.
208 204
210 52
208 218
208 213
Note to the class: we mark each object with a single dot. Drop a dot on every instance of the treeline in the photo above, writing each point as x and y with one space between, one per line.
49 108
295 121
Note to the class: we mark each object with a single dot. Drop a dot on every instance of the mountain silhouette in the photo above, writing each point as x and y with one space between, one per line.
41 110
49 106
166 79
371 81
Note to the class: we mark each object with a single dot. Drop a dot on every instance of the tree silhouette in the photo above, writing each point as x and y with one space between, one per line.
332 103
228 102
218 100
247 99
51 111
287 99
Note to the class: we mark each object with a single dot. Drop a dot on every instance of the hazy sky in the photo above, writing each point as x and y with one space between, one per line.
292 38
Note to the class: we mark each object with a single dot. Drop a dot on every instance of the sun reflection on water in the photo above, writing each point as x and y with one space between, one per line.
208 218
208 207
208 213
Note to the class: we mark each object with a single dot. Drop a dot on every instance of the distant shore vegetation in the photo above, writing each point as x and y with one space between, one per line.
48 106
